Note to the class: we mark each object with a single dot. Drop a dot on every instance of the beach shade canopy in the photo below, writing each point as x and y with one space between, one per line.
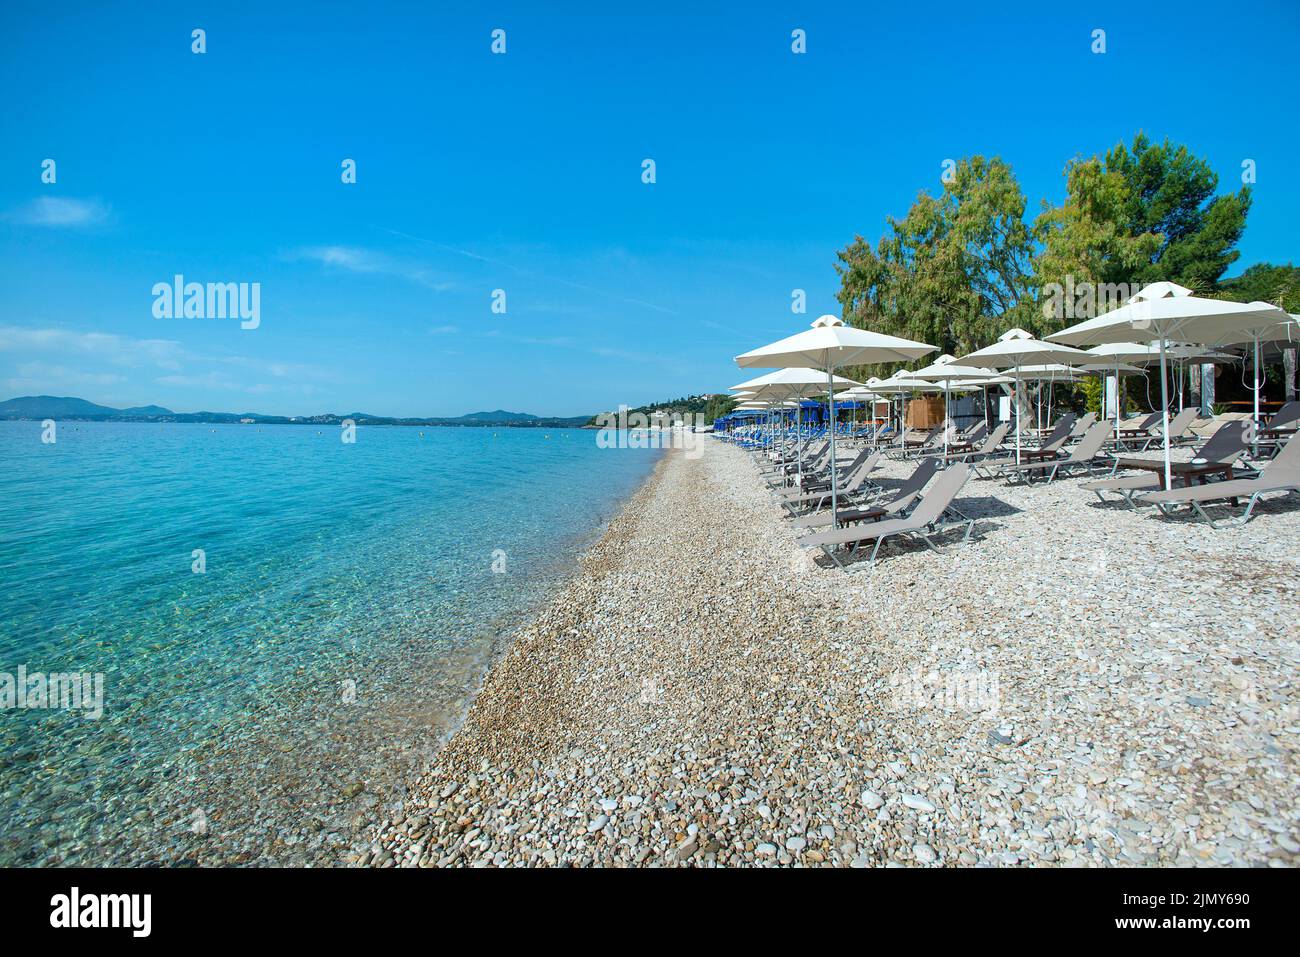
827 345
1150 352
859 393
1048 370
830 344
947 369
1164 311
1016 348
946 372
795 383
1101 368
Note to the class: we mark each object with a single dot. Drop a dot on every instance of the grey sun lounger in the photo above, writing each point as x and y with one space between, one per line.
903 496
1087 455
1083 425
988 447
1280 475
924 521
916 445
814 481
811 460
1179 428
1281 427
1287 417
1225 445
1051 445
796 498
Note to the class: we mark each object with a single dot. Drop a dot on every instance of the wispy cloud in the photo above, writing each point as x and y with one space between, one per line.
444 330
98 354
369 261
117 350
60 212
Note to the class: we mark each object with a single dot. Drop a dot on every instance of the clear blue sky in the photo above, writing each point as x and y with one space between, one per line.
523 172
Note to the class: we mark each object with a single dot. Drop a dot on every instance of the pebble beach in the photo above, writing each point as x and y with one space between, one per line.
1082 684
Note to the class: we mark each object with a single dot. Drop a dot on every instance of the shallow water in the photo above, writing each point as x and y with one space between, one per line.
266 708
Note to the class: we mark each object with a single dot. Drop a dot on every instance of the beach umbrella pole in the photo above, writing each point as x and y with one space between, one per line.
835 484
1116 404
945 420
1259 385
1016 398
1164 412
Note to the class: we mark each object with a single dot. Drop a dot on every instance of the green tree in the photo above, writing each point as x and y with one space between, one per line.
1264 282
952 271
1145 212
1171 195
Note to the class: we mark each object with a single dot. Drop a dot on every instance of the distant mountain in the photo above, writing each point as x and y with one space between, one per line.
500 415
52 407
55 407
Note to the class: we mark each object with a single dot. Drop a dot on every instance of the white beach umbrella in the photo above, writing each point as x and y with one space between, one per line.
947 372
1016 348
828 345
1112 356
1166 310
1051 373
795 383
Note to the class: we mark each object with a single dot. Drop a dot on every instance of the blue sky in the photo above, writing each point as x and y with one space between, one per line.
523 172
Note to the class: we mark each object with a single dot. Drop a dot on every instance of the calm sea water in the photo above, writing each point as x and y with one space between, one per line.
266 708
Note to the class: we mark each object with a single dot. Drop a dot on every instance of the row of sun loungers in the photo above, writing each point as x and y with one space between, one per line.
922 505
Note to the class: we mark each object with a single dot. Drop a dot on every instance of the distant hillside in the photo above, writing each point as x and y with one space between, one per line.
710 406
51 407
56 407
500 415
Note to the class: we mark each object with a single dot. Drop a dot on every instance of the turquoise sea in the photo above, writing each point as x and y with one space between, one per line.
269 706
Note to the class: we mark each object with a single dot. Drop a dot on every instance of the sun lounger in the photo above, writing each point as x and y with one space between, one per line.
910 444
794 498
1279 429
965 442
903 496
1082 426
1280 475
1087 455
1051 445
813 481
1226 445
924 521
1286 417
988 447
1179 430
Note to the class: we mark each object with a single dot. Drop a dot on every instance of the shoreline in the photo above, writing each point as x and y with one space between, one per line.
703 692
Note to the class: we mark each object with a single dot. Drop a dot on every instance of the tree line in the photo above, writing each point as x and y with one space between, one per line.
962 267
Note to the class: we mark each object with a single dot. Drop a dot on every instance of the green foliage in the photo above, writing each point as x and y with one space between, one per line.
711 407
963 267
1262 282
1171 195
951 271
1143 213
1093 391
